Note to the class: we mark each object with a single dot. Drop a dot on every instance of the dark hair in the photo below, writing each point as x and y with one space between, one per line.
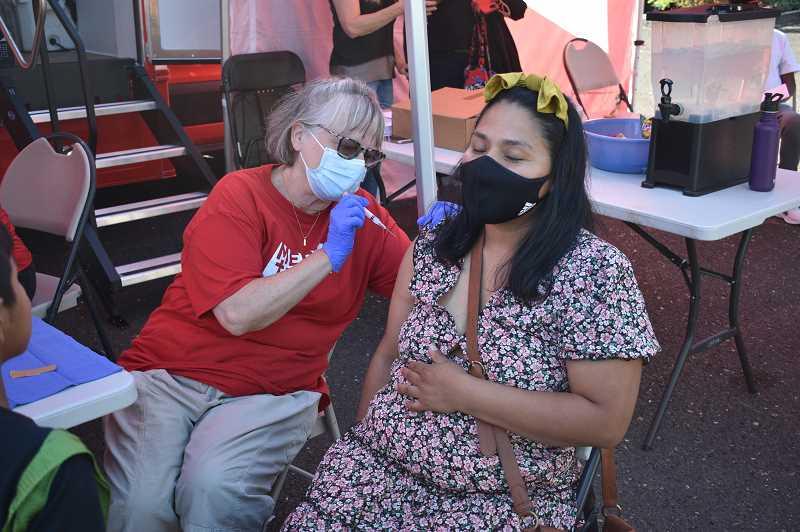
6 291
556 220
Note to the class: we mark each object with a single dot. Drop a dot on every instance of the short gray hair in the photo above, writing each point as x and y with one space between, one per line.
343 105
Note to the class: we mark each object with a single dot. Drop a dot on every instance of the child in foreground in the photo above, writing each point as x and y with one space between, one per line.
48 478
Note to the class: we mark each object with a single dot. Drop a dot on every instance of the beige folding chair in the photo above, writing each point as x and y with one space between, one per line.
52 191
325 424
590 70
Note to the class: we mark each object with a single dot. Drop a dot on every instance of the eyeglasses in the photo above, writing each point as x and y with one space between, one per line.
350 148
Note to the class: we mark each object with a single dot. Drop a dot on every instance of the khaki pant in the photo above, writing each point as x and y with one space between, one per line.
187 456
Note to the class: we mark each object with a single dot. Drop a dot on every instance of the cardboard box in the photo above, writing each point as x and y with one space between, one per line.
455 113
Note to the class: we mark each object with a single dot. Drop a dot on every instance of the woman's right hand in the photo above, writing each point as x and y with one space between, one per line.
346 218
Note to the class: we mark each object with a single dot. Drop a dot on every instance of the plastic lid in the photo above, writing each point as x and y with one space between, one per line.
771 102
726 13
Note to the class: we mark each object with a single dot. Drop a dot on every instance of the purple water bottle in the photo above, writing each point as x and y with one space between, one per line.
766 136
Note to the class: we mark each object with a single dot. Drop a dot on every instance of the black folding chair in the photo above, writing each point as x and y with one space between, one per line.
588 510
252 83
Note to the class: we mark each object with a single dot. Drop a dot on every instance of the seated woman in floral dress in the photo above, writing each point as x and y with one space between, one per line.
562 333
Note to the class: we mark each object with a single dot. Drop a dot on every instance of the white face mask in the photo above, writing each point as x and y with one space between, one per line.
335 176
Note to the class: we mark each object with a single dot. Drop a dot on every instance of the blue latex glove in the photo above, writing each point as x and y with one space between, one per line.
439 211
346 218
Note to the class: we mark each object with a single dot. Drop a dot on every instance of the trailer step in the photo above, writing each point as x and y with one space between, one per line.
148 270
138 155
141 210
103 109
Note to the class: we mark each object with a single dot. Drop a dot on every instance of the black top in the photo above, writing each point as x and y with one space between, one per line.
73 503
348 51
450 30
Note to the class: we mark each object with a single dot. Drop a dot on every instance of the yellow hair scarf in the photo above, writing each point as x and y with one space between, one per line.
551 100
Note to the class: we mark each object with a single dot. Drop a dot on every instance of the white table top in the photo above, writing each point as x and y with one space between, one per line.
445 160
711 217
82 403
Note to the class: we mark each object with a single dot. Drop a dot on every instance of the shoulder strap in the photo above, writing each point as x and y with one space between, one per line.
486 437
609 478
34 484
492 439
612 511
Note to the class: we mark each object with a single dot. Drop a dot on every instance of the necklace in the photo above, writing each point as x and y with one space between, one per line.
300 227
297 219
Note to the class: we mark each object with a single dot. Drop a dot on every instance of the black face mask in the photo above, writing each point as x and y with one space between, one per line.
493 194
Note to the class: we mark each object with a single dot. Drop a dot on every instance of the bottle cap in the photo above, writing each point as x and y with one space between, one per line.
771 102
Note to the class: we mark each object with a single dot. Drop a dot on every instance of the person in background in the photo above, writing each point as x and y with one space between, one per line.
450 35
229 369
22 256
48 479
782 68
363 44
363 49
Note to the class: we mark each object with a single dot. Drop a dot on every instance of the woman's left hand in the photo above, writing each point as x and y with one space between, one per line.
434 386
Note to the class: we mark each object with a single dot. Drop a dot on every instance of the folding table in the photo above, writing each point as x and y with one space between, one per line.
82 403
75 386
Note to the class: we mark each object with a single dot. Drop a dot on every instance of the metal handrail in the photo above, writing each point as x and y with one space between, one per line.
83 69
37 38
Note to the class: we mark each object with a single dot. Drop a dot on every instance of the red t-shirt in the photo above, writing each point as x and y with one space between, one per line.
245 230
20 252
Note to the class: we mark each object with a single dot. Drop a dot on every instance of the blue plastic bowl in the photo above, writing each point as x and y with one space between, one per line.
625 155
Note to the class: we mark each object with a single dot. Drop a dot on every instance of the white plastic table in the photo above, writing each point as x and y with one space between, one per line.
732 211
711 217
82 403
445 161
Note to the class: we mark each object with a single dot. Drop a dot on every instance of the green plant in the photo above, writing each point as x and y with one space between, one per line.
667 4
785 4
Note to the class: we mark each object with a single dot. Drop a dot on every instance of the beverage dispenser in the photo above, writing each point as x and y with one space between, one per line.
709 64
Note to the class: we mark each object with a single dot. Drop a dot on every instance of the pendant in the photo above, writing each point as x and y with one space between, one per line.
305 242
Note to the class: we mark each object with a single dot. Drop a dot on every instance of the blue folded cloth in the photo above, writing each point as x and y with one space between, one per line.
75 364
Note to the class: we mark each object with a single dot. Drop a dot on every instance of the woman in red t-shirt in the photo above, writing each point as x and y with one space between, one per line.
26 273
229 369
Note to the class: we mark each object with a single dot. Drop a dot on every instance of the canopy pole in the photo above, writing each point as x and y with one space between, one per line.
225 23
639 16
421 110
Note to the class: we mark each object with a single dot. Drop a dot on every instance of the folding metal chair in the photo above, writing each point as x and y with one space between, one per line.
590 70
52 191
588 510
325 424
251 84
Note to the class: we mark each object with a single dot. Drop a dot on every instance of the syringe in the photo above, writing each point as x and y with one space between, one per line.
377 221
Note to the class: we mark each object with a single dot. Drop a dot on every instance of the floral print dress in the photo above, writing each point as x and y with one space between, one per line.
399 470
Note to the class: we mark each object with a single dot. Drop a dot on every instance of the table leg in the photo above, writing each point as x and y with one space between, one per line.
692 274
691 326
733 309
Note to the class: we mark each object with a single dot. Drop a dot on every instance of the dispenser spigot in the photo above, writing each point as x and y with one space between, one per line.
666 106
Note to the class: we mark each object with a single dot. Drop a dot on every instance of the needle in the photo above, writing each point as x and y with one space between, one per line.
377 221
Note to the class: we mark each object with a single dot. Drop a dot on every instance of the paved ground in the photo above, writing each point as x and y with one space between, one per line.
725 459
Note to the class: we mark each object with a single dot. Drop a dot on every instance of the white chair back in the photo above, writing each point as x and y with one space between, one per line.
591 74
45 190
589 66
